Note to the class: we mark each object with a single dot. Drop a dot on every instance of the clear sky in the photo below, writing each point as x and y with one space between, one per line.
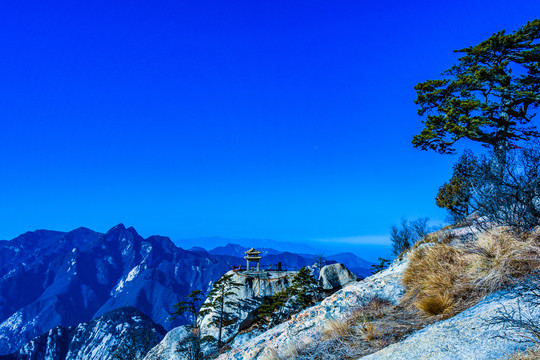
289 120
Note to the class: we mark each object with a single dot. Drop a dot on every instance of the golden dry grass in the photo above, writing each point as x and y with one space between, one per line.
499 257
369 328
438 304
291 352
530 354
441 236
442 280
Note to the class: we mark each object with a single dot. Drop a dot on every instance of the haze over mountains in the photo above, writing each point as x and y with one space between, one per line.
50 278
369 247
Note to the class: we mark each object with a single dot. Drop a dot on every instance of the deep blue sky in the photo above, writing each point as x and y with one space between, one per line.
289 120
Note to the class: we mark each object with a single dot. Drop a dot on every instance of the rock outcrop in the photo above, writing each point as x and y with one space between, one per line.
248 297
335 276
307 324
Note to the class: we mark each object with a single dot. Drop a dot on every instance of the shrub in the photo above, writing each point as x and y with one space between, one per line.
509 197
455 195
383 264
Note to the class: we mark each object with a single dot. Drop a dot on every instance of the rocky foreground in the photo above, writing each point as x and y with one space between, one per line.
307 325
468 335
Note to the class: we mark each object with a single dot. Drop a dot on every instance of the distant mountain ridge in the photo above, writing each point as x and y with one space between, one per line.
217 241
271 256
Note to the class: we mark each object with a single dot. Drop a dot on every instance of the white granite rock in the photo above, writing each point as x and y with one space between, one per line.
166 349
247 298
334 276
466 336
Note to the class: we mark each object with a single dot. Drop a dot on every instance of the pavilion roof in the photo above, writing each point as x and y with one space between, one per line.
252 251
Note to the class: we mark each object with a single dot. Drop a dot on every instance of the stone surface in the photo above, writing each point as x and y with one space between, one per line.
335 276
466 336
166 349
307 324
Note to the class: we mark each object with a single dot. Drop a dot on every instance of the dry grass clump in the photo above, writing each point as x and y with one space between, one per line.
441 236
369 328
292 352
436 279
442 280
530 354
436 305
337 328
499 258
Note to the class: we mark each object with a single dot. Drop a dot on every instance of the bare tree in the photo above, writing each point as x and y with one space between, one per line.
514 199
407 233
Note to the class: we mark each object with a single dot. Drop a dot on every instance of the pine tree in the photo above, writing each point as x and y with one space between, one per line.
489 97
383 264
303 287
301 294
455 195
272 306
218 303
190 304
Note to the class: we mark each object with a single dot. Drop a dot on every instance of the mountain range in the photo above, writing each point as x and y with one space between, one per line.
50 278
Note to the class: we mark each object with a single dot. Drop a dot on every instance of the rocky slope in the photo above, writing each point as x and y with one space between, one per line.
306 325
471 334
124 333
466 336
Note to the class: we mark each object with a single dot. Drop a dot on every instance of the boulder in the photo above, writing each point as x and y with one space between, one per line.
335 276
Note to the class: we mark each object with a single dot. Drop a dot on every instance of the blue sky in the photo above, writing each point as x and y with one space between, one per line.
289 120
